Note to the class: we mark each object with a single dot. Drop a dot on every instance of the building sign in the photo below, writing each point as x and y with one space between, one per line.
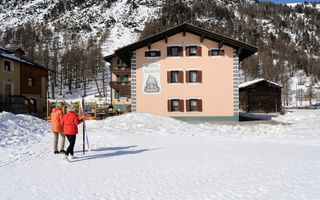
151 78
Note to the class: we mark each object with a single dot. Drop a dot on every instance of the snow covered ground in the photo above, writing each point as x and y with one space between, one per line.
144 156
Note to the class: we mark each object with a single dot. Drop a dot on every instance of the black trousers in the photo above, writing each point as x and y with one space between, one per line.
72 141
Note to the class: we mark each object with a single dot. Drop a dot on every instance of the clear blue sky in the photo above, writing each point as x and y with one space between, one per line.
291 1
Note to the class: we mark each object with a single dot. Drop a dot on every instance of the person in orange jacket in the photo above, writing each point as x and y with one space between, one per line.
56 128
70 123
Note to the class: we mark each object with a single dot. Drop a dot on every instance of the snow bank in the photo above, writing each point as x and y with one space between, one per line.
143 123
299 123
25 129
21 129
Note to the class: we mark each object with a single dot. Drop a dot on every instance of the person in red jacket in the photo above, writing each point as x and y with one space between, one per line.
70 123
56 128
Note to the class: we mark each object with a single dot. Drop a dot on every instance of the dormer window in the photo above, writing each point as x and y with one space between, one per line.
216 52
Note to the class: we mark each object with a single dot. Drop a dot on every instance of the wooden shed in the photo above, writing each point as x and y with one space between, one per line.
260 96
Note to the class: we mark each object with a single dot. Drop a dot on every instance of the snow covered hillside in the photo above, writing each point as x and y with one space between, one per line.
124 18
144 156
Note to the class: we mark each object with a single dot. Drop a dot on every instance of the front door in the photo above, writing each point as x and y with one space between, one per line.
33 105
7 93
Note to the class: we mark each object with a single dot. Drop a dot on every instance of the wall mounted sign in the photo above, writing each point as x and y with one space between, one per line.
151 78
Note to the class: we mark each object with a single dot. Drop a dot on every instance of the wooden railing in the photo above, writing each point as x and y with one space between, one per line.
124 87
120 68
119 83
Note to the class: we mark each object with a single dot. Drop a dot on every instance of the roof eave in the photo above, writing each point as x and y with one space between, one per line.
246 50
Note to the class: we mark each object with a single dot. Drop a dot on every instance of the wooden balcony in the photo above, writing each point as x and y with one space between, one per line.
124 87
118 84
120 69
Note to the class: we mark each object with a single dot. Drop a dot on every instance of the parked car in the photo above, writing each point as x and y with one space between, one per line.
316 105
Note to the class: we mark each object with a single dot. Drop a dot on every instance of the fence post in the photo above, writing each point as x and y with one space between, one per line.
64 107
79 114
48 109
95 109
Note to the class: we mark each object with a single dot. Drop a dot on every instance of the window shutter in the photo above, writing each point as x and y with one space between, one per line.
199 76
188 76
180 51
199 105
158 53
210 53
180 76
168 51
169 76
199 51
146 54
187 51
169 106
188 105
221 52
116 94
181 106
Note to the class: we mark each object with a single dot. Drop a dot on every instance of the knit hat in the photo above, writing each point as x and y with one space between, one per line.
59 105
71 107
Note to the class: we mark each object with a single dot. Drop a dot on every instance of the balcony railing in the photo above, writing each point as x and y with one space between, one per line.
119 68
120 83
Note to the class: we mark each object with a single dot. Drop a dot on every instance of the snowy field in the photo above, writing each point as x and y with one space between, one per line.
144 156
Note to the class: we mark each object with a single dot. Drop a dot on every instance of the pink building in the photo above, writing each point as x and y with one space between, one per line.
185 72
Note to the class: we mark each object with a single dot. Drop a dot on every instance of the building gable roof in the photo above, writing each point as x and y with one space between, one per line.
244 50
7 54
246 84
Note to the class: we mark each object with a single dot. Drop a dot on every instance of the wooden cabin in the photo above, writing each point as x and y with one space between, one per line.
260 96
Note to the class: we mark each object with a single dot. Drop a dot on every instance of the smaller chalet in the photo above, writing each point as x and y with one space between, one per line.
260 96
23 83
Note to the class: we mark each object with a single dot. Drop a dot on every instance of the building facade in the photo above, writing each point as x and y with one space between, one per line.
23 83
185 72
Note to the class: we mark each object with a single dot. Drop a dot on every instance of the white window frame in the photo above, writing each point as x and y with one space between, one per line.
193 45
11 66
174 69
191 105
193 98
150 57
190 77
193 69
175 98
215 56
30 79
175 45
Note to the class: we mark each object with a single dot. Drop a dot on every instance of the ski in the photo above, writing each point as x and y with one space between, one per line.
85 135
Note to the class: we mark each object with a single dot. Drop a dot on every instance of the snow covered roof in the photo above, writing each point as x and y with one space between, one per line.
245 84
245 50
6 54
